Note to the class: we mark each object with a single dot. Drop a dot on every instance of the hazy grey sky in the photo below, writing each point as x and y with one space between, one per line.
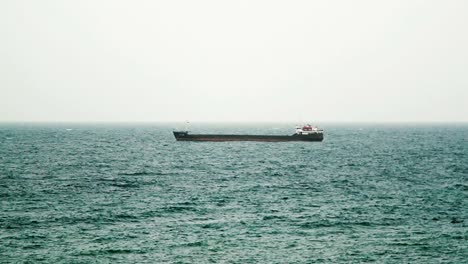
395 60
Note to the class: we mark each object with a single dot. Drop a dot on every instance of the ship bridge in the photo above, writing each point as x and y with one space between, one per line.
307 129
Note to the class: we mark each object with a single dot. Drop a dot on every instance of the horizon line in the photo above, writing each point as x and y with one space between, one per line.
231 122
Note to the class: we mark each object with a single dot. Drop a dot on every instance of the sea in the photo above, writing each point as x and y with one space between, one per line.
130 193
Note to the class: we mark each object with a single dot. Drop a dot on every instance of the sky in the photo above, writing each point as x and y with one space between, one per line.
234 61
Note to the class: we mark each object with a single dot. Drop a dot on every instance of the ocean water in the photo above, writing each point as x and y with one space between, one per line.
84 193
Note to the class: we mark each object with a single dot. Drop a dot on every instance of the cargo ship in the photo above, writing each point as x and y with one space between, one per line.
303 133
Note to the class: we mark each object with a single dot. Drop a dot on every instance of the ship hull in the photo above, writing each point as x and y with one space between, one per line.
184 136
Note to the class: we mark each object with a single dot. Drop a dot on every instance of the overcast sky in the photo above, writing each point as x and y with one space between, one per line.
358 61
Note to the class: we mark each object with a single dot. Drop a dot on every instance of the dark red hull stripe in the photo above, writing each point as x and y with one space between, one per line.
249 139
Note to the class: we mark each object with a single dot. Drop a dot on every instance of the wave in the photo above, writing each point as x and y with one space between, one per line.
141 173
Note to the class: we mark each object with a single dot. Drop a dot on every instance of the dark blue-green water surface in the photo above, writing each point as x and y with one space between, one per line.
130 193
